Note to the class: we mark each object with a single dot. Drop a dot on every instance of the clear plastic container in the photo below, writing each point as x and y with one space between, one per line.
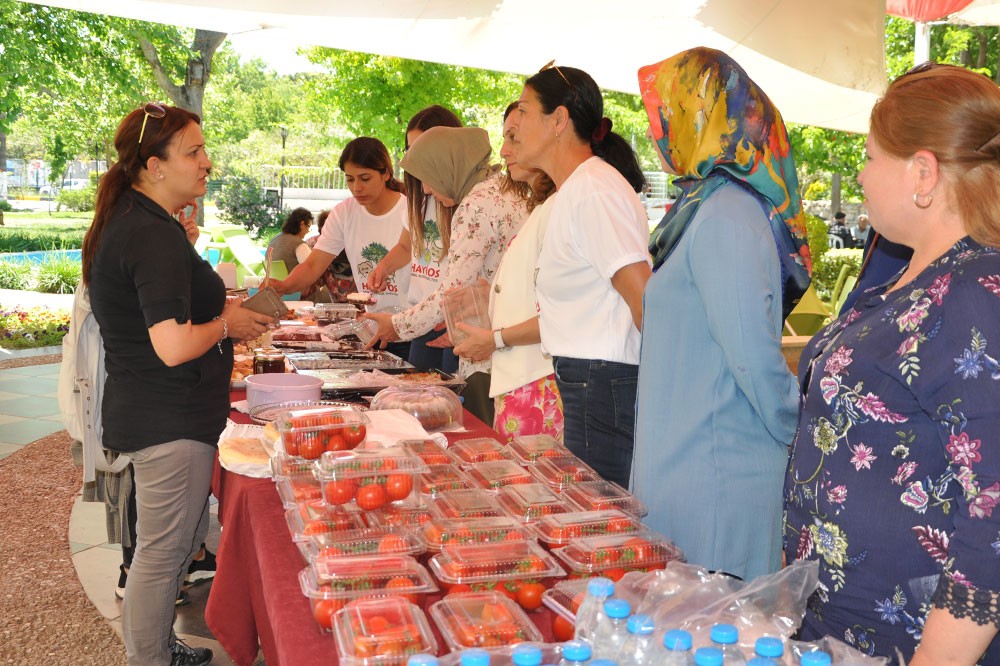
330 584
531 501
613 555
470 305
598 495
492 563
436 407
444 478
429 451
590 611
565 597
381 632
612 631
309 431
477 450
475 503
293 490
362 541
495 474
287 467
393 515
529 448
558 529
482 619
441 532
315 517
370 478
560 473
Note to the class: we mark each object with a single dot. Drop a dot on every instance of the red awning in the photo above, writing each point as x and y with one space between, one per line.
924 10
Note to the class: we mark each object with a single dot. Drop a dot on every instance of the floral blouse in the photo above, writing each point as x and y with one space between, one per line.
483 225
894 477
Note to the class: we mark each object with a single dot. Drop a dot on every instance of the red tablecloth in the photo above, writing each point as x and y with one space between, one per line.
255 596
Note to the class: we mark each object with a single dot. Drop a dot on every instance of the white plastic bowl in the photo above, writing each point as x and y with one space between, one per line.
281 387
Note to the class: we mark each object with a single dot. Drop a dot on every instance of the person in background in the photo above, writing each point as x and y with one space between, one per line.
453 165
840 230
289 246
860 233
717 403
894 481
423 244
593 263
525 396
882 260
167 329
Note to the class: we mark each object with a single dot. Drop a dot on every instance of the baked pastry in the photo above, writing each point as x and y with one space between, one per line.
435 407
359 298
243 450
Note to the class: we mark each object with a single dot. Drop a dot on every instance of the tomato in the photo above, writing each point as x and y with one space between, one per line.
311 448
398 486
530 596
640 550
354 434
291 446
323 610
401 582
371 497
335 442
392 543
340 491
317 527
459 588
562 629
574 604
613 574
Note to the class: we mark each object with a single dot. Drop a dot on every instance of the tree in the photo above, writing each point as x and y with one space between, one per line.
193 66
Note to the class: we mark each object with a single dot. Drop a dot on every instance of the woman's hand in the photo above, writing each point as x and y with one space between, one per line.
440 342
385 333
245 324
378 279
478 345
189 222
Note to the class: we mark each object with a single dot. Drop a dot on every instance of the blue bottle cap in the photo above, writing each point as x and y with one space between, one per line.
815 659
761 661
641 624
619 609
422 660
769 646
526 655
576 650
601 587
677 639
474 657
724 633
708 656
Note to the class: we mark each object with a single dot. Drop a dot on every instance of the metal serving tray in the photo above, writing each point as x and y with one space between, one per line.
364 359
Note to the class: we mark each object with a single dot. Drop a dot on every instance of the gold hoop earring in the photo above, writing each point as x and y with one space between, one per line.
930 198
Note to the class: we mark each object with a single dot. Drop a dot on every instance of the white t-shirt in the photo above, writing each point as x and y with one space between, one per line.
426 268
367 239
597 226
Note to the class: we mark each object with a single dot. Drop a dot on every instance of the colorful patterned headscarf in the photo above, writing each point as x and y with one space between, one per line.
713 125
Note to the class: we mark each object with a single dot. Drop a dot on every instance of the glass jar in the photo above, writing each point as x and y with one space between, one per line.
268 359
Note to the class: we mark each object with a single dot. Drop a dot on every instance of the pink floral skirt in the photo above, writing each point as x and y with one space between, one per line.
532 409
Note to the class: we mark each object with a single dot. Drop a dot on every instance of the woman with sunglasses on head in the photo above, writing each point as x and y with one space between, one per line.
167 329
593 263
453 163
423 243
894 480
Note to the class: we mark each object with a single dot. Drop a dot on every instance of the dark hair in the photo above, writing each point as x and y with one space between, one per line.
533 194
293 223
370 153
133 156
416 203
321 219
840 215
576 90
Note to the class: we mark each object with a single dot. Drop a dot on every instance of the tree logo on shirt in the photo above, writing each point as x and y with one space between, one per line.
372 254
433 247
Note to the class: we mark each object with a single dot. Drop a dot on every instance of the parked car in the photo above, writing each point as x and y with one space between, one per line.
74 184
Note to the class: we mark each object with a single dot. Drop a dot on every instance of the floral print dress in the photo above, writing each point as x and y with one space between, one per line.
894 477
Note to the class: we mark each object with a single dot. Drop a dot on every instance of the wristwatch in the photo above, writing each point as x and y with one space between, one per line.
498 340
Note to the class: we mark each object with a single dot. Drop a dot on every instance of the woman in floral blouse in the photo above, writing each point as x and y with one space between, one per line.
453 164
894 482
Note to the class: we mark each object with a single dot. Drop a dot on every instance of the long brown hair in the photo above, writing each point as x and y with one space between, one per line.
132 159
416 203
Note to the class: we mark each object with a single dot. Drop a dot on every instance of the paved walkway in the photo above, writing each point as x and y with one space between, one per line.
31 299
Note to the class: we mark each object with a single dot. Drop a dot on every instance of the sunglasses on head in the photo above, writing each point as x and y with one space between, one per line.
150 110
551 64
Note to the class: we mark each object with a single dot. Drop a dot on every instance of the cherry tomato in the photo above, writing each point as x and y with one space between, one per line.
371 497
392 543
354 434
340 491
614 574
530 596
335 442
459 588
323 610
291 446
311 448
398 486
562 629
401 582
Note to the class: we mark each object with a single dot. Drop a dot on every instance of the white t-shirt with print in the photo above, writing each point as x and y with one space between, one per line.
426 268
597 226
367 239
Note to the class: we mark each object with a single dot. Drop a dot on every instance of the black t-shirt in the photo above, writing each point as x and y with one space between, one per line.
146 271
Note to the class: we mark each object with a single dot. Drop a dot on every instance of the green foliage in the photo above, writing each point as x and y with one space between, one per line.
34 327
817 190
20 239
78 200
827 269
817 236
5 206
15 275
58 275
243 201
820 152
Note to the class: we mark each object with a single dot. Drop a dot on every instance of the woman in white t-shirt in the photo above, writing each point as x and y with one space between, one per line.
593 263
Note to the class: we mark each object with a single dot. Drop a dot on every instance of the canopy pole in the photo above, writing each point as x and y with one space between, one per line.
921 42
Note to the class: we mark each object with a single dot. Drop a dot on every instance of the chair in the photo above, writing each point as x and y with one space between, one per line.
849 285
835 241
245 253
838 286
278 269
810 315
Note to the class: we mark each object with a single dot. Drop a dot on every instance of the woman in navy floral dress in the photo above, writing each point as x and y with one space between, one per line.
894 481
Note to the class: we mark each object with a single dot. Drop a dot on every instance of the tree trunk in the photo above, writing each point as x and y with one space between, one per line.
834 194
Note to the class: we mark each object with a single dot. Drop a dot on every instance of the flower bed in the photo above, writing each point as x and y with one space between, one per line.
32 327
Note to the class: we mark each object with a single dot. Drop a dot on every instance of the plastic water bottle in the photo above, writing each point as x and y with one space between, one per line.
591 609
639 648
726 638
708 656
526 655
762 661
771 648
677 646
818 658
422 659
474 657
575 653
603 662
610 635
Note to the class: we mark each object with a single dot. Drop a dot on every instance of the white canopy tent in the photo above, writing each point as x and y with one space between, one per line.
822 63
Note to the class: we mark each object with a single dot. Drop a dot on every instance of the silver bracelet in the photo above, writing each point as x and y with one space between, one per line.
225 332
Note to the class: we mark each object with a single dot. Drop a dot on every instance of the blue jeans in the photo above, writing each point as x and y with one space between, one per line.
599 408
425 358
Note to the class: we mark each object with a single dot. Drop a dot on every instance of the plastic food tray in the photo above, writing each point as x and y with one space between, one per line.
529 448
441 532
363 541
598 495
293 490
492 563
561 473
444 478
478 449
476 503
264 414
564 597
289 467
320 428
371 478
348 578
315 517
399 516
429 451
613 555
482 619
496 474
353 360
531 501
370 382
560 528
381 632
